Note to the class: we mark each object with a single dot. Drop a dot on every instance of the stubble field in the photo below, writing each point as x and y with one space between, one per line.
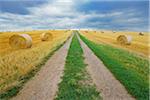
15 63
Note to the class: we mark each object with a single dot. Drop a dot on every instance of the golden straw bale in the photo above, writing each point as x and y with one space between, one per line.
114 31
124 39
102 31
46 36
141 33
20 41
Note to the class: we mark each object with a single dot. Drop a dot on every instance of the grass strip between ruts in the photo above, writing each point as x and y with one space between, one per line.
73 85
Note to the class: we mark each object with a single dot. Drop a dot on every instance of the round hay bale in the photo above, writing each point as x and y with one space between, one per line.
86 31
46 36
141 33
102 31
124 39
114 31
20 41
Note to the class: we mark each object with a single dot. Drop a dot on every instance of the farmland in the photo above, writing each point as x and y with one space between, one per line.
140 44
76 84
68 76
130 69
74 50
16 63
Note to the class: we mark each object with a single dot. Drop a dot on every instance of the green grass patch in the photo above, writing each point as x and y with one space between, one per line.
72 86
6 95
130 69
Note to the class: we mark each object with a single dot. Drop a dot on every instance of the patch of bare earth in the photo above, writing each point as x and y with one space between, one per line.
109 87
45 84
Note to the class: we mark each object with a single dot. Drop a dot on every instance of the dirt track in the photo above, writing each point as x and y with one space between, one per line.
107 85
45 84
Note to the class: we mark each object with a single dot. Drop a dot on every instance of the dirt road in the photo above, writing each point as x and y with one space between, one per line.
45 84
106 83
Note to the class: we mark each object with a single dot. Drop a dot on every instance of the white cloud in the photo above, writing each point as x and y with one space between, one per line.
55 8
63 14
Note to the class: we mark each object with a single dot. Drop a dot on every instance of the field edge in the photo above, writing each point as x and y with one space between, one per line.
15 89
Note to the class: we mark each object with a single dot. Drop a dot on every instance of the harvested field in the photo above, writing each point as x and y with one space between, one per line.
106 83
15 63
130 69
74 50
140 44
47 79
128 72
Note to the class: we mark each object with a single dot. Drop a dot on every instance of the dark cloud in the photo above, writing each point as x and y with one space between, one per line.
19 6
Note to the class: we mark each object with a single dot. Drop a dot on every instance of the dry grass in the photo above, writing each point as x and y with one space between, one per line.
140 44
15 63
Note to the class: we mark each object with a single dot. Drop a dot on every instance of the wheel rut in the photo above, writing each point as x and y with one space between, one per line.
108 86
45 83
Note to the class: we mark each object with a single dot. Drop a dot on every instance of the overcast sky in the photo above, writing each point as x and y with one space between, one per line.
74 14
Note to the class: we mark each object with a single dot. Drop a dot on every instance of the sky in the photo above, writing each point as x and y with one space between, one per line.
129 15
